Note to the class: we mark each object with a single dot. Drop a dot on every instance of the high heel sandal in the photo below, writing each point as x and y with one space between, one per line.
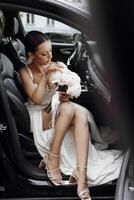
52 178
74 178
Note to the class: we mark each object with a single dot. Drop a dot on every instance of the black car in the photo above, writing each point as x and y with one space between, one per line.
20 176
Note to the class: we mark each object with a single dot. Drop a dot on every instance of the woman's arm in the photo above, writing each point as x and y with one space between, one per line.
35 93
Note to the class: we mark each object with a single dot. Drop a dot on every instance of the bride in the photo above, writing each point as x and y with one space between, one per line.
65 144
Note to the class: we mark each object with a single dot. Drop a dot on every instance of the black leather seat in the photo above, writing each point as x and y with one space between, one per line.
16 99
15 118
14 90
13 47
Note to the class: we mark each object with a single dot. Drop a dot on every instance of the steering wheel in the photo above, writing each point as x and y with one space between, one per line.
76 56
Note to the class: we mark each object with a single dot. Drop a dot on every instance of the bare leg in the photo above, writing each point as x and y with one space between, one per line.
81 139
63 122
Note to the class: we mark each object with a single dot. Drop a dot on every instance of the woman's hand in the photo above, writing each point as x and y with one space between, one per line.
52 68
63 96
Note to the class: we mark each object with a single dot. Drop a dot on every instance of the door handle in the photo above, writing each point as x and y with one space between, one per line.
65 52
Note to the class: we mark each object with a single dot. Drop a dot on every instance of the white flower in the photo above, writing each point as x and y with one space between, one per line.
67 77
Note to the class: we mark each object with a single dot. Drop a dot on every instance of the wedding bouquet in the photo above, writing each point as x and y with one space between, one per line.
66 80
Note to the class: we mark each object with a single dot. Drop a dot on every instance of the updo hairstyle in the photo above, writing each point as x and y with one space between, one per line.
33 39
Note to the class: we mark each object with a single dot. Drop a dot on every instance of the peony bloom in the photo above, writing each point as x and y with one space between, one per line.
67 78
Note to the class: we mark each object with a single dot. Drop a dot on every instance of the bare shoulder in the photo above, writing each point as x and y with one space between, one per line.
27 82
24 73
23 70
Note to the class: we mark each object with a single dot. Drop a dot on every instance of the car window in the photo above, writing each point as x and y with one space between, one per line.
57 32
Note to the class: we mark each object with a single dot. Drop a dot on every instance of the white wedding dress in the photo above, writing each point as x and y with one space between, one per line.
103 165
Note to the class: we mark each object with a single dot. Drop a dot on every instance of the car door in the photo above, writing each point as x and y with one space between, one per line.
125 183
117 54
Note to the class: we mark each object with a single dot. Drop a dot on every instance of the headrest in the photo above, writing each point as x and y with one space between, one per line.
15 51
8 70
11 27
1 30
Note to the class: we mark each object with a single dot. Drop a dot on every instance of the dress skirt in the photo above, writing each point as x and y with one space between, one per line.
103 165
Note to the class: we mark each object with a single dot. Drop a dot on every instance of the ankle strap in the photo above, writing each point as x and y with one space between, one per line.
53 170
83 181
54 155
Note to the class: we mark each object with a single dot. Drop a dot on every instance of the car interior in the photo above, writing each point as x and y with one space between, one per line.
17 146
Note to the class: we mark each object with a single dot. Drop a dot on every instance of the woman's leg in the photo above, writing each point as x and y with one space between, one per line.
63 121
66 114
81 140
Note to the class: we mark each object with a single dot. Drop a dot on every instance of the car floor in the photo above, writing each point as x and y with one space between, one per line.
102 192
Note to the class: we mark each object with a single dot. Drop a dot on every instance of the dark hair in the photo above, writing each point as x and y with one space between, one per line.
33 39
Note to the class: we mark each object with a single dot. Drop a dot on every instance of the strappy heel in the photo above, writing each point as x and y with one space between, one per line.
42 163
84 194
52 178
74 178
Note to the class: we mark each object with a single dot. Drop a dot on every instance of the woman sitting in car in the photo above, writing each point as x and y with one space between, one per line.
64 145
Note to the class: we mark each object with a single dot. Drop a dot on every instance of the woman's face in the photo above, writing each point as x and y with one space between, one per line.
43 54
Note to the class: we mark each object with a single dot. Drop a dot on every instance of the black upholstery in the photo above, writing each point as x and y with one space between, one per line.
11 77
16 118
1 30
11 27
17 100
13 47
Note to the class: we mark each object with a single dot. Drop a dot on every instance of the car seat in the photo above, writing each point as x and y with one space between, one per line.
12 82
13 47
15 117
16 99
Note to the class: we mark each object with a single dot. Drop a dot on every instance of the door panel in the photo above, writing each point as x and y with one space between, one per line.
125 183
